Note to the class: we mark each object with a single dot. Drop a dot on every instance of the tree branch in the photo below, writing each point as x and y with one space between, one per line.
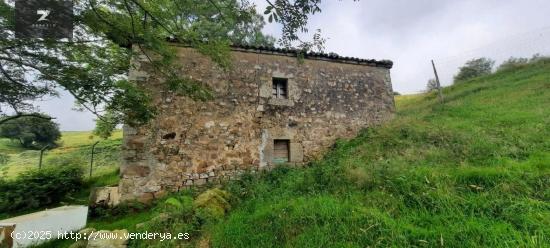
153 17
7 75
19 115
218 8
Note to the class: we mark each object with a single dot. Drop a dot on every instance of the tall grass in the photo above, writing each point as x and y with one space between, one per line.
474 172
75 148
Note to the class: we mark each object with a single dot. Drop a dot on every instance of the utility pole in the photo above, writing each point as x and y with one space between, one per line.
440 93
92 159
42 154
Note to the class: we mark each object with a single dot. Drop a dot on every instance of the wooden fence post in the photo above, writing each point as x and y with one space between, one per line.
440 93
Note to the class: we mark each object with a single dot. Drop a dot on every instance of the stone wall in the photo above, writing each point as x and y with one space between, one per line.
196 142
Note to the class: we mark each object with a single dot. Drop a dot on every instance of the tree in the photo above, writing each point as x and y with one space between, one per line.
432 85
31 131
105 126
474 68
94 66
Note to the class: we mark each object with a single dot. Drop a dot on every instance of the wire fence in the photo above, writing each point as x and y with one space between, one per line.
94 158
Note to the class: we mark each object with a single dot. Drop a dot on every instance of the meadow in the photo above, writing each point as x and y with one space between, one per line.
472 172
74 148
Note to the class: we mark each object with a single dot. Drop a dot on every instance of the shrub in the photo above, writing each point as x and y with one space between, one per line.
212 205
474 68
512 63
122 209
432 85
39 188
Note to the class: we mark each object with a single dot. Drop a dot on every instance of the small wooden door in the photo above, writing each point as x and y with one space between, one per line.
281 151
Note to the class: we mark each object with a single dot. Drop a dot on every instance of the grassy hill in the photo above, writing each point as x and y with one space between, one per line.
74 147
474 172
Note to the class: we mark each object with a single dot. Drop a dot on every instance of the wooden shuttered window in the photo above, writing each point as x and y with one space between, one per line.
281 151
280 88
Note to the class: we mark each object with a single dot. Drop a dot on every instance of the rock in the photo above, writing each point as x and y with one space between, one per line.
199 182
209 124
105 196
146 198
139 171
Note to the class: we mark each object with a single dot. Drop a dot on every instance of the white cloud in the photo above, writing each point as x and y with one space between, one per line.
411 33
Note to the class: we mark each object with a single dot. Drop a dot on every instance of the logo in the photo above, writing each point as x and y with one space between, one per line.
49 19
44 14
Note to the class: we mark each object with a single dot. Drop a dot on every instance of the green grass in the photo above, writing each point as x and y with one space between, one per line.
74 149
474 172
73 146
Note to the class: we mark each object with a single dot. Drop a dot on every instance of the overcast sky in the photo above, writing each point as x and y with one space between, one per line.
410 33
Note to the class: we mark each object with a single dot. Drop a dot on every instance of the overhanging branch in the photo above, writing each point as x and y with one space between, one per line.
19 115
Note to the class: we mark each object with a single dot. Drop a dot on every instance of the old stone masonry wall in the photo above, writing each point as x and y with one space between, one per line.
268 108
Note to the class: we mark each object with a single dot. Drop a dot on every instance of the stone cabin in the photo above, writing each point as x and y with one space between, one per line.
269 108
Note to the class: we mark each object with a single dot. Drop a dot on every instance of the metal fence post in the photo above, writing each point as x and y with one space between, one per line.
42 154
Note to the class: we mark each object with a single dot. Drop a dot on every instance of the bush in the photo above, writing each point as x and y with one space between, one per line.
125 208
212 205
512 63
474 68
432 85
39 188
